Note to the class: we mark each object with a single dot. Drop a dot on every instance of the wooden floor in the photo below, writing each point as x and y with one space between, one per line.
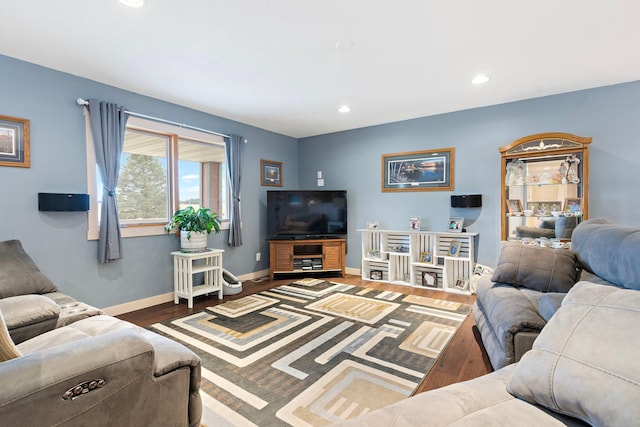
463 359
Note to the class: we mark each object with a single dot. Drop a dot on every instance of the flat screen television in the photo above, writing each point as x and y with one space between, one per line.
306 214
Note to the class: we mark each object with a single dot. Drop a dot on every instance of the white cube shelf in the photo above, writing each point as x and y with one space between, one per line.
422 259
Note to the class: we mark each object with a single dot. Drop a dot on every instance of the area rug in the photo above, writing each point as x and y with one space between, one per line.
313 352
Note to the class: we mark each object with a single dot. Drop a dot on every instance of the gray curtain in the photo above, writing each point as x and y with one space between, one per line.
108 123
235 155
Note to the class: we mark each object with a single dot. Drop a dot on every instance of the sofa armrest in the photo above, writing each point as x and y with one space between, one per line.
34 385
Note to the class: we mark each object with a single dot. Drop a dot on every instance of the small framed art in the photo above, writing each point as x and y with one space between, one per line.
372 225
429 279
573 205
454 248
455 224
270 173
414 223
514 205
426 257
461 284
14 142
375 274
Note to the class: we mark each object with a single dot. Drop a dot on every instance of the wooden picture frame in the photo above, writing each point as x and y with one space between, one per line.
14 142
427 170
461 284
454 248
271 173
514 205
455 225
426 257
572 205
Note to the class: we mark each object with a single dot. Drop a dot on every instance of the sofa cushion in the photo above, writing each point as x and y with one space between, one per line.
8 349
534 267
549 303
609 251
19 275
482 401
584 362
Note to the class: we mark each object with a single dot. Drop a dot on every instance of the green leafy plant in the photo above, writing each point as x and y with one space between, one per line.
191 220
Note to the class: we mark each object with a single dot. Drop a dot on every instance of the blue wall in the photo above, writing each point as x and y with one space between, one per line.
57 241
351 160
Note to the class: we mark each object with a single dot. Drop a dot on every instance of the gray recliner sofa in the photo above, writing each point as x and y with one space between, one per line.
530 282
582 368
69 364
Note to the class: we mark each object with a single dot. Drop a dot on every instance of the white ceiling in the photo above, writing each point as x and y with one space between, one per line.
274 64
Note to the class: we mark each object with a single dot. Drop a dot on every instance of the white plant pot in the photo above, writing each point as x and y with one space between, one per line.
197 242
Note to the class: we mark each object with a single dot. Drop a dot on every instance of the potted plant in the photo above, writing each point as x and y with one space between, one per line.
194 226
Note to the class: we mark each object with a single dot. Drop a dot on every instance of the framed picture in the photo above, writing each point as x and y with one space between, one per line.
514 205
414 223
454 248
455 224
375 274
426 257
270 173
14 142
372 225
461 284
373 253
430 170
573 205
429 279
544 207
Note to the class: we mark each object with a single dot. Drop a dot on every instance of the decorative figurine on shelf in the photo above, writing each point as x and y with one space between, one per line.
515 173
572 169
563 172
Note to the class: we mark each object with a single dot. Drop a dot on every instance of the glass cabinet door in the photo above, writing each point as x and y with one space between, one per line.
544 186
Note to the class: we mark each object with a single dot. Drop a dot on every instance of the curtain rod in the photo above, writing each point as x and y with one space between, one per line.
84 102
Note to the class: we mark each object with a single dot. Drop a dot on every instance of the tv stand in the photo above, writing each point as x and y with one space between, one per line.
306 256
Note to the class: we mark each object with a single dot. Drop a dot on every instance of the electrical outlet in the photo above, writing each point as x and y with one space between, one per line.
257 256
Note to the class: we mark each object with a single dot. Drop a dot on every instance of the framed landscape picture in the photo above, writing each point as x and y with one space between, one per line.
270 173
429 170
14 142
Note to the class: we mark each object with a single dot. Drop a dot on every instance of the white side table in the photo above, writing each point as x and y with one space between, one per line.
184 267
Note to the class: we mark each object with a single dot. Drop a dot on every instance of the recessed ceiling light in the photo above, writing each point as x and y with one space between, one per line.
480 79
132 3
344 109
344 44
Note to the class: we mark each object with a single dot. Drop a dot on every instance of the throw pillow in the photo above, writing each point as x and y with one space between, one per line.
535 267
8 349
584 363
19 275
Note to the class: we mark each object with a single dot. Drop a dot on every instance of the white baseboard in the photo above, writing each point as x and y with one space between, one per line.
351 270
127 307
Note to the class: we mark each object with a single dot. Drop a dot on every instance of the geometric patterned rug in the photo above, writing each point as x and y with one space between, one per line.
313 352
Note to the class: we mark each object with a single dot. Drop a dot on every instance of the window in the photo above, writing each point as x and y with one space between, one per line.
163 168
